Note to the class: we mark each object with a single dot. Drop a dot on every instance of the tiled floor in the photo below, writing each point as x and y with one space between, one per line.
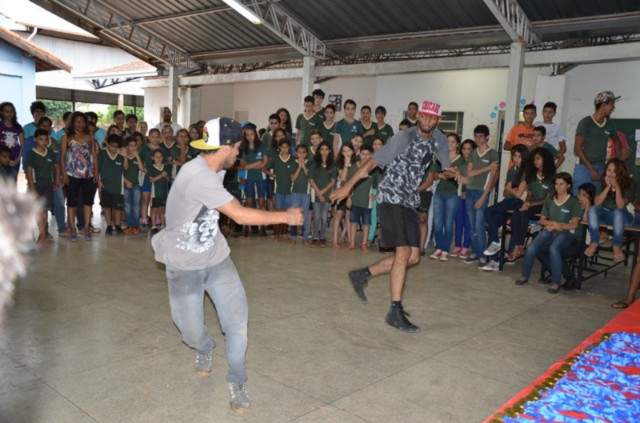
90 339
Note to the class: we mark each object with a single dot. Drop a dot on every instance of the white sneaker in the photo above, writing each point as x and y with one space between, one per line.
444 256
436 255
492 249
240 401
492 265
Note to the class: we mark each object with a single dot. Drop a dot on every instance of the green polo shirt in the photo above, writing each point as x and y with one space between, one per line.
609 202
361 195
171 151
540 188
596 139
447 187
347 130
43 166
132 173
283 171
160 188
322 176
512 174
146 153
479 182
328 132
563 213
305 125
368 140
252 156
551 149
301 184
385 132
111 172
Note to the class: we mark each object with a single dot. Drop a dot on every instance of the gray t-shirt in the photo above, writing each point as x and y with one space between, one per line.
406 157
192 239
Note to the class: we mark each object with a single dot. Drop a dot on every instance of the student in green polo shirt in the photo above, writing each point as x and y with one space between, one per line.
346 128
361 201
300 190
446 200
159 175
322 178
560 217
540 172
306 122
281 167
327 129
111 163
133 169
515 191
384 131
615 192
540 140
368 127
43 174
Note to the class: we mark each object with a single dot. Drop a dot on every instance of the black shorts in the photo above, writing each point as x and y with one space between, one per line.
80 187
112 201
342 206
399 226
45 193
158 202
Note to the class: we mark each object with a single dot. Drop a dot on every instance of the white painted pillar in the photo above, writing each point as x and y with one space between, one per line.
174 100
512 110
189 107
120 101
308 75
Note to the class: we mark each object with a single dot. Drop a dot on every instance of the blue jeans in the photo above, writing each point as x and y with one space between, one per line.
574 249
553 243
477 222
132 207
619 218
301 201
462 225
186 296
581 176
445 208
320 211
59 209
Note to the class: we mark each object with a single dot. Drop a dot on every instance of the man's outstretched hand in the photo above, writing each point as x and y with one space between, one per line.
295 217
339 194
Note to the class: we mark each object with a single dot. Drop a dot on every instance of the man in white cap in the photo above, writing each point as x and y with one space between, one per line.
406 158
196 254
592 137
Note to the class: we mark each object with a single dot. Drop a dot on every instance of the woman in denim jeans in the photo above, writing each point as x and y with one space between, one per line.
615 192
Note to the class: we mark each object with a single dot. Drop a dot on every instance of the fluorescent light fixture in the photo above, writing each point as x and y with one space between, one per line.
244 11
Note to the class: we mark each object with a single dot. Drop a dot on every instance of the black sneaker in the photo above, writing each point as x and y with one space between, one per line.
119 230
359 280
397 318
109 231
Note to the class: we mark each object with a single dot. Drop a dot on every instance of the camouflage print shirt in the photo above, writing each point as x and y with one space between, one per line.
406 157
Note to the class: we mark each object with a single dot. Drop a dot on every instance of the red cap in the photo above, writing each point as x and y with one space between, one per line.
431 108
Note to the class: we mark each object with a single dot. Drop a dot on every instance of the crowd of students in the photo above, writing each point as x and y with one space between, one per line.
298 164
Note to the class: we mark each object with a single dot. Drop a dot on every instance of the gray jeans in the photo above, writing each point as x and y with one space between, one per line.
320 212
186 297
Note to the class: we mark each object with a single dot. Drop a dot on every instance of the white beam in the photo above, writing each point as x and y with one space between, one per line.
308 75
624 51
513 19
173 92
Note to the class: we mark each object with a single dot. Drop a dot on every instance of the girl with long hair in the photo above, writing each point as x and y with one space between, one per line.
615 192
345 167
285 121
463 229
322 178
254 158
11 136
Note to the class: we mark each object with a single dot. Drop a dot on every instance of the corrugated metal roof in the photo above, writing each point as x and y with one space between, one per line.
211 33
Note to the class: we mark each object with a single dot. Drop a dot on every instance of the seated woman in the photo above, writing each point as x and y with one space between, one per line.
539 174
610 207
514 190
586 192
560 217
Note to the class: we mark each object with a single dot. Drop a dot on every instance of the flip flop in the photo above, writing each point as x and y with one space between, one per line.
591 250
617 258
620 305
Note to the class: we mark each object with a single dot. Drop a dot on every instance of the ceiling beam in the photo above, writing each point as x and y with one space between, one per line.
281 23
578 55
513 19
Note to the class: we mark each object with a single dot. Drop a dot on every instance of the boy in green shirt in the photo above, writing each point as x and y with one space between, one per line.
111 163
540 141
43 174
300 190
159 176
361 200
283 166
327 129
133 170
307 122
346 128
384 131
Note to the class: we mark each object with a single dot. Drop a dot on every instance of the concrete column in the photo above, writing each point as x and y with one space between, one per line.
308 75
512 110
174 101
120 101
189 107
